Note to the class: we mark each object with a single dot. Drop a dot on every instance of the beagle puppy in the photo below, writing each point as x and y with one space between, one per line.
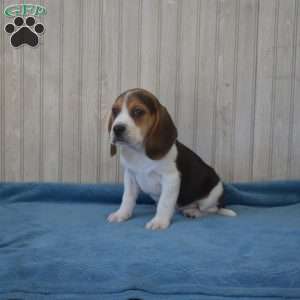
158 164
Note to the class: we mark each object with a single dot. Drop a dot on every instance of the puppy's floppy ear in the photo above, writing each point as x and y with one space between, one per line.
161 136
113 148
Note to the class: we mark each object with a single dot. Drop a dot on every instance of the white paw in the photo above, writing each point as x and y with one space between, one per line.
158 223
118 216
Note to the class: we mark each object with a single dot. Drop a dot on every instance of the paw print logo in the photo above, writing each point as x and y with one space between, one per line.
27 32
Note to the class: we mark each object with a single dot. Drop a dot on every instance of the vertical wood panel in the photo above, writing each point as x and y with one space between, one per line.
129 69
264 84
90 87
178 58
206 79
109 83
295 121
51 89
226 88
12 108
245 93
149 44
2 93
71 91
186 83
31 105
282 100
168 54
42 103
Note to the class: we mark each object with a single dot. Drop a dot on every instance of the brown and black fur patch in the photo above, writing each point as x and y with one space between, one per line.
197 178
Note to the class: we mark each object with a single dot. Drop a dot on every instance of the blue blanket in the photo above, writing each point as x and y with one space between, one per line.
55 243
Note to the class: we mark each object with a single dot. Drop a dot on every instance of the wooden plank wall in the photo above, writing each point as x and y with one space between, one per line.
228 71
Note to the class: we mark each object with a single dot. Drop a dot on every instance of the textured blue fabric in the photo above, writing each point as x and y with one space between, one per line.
55 243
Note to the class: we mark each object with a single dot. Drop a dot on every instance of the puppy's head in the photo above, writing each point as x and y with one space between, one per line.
138 120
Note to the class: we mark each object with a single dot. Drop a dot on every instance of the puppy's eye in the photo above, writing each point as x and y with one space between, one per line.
115 111
137 112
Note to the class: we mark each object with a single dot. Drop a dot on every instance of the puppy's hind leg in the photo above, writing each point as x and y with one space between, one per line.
210 204
192 211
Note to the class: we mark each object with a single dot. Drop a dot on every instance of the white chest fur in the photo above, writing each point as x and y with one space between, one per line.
149 183
148 173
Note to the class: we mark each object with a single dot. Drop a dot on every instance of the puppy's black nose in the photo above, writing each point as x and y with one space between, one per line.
119 129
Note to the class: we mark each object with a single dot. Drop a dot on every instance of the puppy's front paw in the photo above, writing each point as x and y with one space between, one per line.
118 216
158 223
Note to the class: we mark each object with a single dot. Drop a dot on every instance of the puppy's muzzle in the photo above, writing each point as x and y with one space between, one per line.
119 131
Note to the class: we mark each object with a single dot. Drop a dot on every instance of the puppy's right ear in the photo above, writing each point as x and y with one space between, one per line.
113 148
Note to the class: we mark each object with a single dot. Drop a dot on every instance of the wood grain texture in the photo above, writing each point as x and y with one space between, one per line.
90 65
186 84
226 86
206 79
294 143
150 44
282 97
13 100
169 49
31 98
245 90
52 87
71 106
109 83
227 70
2 95
266 63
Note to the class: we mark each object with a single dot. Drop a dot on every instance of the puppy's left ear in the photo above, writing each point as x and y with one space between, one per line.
113 148
161 136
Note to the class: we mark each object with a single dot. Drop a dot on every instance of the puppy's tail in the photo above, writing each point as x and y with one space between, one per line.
226 212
